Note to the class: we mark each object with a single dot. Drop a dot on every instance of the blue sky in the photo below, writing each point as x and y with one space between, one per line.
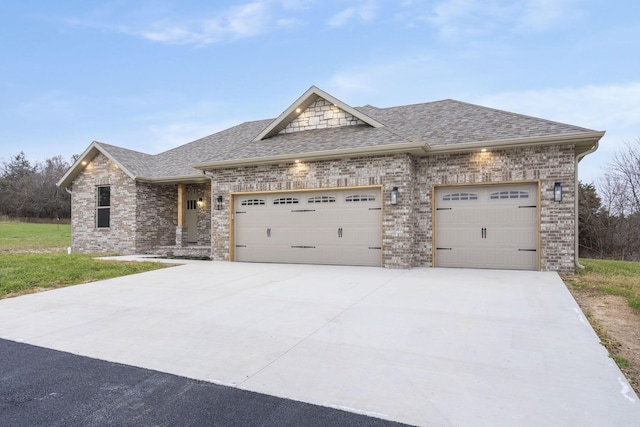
151 75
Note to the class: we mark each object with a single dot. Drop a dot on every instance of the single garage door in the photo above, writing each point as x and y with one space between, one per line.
487 227
310 227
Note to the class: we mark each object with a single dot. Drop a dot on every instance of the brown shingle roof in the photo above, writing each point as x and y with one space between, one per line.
440 123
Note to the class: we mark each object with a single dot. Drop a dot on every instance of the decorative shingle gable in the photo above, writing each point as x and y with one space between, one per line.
321 114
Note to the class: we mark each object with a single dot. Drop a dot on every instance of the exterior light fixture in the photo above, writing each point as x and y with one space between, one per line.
483 150
84 163
557 192
219 203
394 196
298 110
200 202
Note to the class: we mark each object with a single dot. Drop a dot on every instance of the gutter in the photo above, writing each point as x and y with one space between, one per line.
572 138
576 238
419 148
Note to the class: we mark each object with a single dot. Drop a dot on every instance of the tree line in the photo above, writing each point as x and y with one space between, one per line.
609 211
28 189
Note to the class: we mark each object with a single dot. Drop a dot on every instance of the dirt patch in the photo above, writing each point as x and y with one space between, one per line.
618 326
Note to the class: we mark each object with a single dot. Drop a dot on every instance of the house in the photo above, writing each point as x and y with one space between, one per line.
442 183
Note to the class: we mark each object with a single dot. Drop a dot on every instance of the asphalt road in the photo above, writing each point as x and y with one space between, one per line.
43 387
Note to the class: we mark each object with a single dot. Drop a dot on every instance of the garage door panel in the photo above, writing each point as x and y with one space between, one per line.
460 236
322 227
487 226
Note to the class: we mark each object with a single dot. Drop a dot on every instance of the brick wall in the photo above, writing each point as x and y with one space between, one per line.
120 236
144 216
407 227
157 216
320 115
547 164
388 171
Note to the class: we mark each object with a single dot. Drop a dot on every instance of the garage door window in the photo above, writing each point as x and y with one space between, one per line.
252 202
286 201
459 196
509 195
321 199
360 198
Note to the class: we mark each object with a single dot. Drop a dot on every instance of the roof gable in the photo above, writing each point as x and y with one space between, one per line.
111 152
316 109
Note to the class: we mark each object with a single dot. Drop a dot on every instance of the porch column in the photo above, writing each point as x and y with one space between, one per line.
181 230
182 204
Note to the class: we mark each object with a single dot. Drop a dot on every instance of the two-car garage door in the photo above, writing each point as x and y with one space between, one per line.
493 226
310 227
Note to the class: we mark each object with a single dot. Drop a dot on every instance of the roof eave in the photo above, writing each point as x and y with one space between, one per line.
186 179
414 148
89 154
583 142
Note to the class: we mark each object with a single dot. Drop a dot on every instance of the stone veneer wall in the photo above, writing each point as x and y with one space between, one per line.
548 164
120 236
388 171
320 115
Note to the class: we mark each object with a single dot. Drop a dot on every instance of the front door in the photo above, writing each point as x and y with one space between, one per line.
192 220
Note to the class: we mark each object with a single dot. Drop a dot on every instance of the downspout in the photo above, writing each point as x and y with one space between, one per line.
577 207
210 211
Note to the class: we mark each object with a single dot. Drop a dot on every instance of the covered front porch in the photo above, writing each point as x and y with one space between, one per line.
192 210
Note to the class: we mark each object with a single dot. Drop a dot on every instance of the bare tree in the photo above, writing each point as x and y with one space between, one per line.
29 190
619 190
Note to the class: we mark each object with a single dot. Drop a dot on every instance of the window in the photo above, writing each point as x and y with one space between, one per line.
510 195
104 207
321 199
252 202
360 198
286 201
460 196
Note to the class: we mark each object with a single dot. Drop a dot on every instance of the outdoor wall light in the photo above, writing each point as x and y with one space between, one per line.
394 196
200 202
219 203
557 192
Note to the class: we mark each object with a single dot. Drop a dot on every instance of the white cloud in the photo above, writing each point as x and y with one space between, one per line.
239 22
454 18
538 15
243 21
365 12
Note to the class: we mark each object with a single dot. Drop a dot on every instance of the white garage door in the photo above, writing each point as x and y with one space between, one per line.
487 227
311 227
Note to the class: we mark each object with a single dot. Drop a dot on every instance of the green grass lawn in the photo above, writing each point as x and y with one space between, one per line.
34 257
21 237
620 278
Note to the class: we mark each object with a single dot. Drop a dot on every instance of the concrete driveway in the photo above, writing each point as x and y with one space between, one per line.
429 347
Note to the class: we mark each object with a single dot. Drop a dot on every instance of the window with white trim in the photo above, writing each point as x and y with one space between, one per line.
103 214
